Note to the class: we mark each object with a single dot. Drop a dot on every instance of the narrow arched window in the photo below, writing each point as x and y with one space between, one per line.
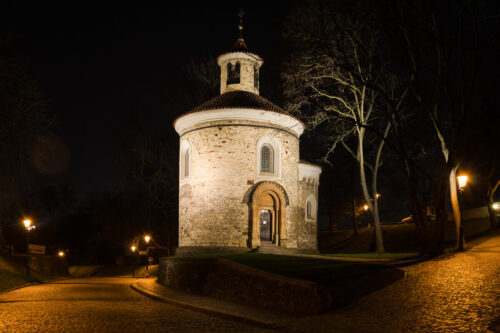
233 73
256 77
185 160
309 209
186 163
266 158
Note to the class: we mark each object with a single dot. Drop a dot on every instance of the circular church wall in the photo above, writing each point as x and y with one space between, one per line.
224 165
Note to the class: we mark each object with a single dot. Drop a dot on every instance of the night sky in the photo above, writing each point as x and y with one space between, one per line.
108 72
104 69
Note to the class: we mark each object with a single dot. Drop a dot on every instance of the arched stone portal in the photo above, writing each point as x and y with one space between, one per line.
268 196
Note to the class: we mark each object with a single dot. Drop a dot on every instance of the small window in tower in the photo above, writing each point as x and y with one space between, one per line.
256 77
309 209
266 159
233 73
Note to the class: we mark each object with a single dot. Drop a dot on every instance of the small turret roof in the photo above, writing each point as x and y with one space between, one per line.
240 46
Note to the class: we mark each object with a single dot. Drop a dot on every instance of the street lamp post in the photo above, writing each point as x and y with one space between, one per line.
462 181
28 226
133 248
147 238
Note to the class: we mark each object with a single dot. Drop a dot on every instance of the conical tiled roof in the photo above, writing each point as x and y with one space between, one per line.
238 100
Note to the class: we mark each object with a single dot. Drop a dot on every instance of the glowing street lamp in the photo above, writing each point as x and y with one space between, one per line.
462 182
147 238
365 207
495 205
60 254
27 224
133 248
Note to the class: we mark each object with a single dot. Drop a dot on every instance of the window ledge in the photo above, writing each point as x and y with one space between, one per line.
268 174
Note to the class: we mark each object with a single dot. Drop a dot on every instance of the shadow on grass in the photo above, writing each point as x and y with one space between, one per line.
346 280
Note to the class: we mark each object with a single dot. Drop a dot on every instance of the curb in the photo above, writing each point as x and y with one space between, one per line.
203 309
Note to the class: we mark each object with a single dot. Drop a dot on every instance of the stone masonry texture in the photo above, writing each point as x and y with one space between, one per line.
213 200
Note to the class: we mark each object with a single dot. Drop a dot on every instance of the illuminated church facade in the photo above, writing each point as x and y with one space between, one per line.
242 185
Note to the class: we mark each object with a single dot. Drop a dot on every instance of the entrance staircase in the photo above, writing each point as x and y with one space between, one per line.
270 248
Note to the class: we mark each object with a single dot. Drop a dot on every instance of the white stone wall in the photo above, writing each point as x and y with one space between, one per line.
212 211
307 228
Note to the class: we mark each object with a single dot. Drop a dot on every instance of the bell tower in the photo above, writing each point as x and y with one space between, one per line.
239 67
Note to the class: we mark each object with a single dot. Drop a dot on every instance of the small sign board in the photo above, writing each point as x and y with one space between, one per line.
150 260
36 249
143 253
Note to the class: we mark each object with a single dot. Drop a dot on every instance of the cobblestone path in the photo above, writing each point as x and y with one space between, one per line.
100 305
456 293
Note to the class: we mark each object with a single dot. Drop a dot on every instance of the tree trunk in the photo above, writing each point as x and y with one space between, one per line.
440 195
376 216
493 215
366 194
353 197
457 216
416 210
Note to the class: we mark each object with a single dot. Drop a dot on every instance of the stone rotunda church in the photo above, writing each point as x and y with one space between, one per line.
242 184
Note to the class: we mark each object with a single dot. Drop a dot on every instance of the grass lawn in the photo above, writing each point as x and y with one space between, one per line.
13 273
374 255
324 271
9 280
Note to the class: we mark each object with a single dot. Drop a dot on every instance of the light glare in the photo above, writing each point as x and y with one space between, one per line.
27 223
462 181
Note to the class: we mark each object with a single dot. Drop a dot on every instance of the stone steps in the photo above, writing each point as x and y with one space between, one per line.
269 248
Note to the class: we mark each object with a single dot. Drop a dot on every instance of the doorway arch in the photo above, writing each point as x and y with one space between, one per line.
270 197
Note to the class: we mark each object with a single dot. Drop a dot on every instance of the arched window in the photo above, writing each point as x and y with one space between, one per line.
186 163
268 156
233 73
256 77
185 160
266 159
311 207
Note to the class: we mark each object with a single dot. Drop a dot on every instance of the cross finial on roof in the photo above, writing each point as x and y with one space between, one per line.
240 26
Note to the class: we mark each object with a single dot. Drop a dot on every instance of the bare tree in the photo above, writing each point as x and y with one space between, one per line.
416 62
326 83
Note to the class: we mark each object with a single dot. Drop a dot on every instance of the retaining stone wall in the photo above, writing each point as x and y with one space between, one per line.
234 282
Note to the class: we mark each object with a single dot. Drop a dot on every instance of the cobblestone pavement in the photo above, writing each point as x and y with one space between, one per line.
456 293
101 305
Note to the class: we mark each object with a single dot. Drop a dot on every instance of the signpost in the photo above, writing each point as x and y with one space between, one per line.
36 249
